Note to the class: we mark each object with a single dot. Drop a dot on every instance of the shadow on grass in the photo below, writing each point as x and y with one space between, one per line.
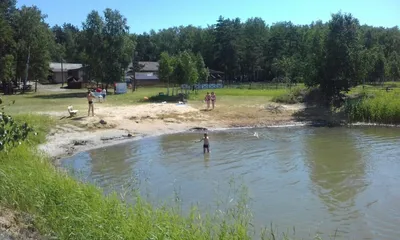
61 95
164 98
317 114
78 118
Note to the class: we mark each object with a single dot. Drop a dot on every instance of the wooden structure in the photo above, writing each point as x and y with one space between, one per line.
62 72
147 76
215 76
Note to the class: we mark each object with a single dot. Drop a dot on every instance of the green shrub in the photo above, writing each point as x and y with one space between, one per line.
295 95
12 132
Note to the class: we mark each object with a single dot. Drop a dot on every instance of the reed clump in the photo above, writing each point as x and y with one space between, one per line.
380 107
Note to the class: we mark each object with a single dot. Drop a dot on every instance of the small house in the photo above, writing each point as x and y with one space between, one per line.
148 74
61 72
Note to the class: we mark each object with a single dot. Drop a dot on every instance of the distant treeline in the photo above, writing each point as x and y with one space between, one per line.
334 55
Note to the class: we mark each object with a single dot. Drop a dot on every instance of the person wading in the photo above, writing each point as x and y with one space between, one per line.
90 101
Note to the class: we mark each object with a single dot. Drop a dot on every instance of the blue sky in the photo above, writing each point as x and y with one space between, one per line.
144 15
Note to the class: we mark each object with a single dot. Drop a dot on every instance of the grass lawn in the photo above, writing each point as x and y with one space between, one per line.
56 99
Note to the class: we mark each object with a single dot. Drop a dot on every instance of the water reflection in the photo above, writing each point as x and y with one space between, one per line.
337 167
206 160
337 170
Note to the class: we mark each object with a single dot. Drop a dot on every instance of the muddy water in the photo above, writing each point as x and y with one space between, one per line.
343 181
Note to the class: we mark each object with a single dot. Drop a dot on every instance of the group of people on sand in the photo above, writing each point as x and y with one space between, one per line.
210 98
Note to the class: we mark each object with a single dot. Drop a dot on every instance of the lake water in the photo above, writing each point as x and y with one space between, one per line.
318 180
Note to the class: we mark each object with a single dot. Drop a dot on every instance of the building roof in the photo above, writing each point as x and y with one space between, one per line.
215 72
56 67
148 66
142 76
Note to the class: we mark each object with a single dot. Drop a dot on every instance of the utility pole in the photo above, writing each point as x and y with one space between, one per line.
27 69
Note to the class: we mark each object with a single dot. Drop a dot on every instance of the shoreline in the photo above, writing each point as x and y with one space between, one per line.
76 149
98 142
119 125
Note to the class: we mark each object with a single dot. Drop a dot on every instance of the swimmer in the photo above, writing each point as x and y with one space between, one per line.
206 144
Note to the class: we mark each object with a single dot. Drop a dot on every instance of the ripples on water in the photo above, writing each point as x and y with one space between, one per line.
319 180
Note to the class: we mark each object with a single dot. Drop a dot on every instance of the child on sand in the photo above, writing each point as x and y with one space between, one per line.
207 99
213 99
206 143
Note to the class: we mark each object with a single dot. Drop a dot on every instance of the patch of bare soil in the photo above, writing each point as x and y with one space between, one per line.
18 226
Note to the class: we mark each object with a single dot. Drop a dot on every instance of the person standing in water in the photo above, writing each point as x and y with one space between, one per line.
90 101
207 99
213 99
206 143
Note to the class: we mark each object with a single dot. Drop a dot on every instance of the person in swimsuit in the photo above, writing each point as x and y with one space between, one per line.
104 93
206 143
90 101
213 99
207 99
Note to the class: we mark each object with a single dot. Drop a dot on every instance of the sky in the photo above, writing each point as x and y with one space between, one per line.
144 15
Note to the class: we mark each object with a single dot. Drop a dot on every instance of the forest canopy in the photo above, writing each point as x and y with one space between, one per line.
333 55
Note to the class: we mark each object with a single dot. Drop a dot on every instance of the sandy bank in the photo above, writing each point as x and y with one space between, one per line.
113 125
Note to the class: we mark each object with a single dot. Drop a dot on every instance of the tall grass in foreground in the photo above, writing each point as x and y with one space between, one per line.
381 107
68 209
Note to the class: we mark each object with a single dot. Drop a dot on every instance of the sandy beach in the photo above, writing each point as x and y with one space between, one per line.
113 125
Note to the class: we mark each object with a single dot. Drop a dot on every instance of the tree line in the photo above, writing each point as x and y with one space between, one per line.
28 44
333 55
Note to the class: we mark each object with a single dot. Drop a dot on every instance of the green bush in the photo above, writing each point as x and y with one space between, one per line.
295 95
11 132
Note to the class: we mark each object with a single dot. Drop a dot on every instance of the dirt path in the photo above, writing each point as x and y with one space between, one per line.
112 125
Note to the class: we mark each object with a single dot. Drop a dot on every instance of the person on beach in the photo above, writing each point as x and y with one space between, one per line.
90 101
207 99
213 98
206 143
104 93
